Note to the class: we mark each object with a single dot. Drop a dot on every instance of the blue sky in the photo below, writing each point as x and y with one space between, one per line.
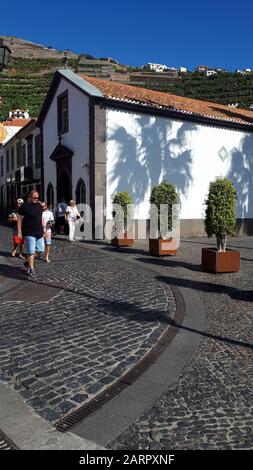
185 33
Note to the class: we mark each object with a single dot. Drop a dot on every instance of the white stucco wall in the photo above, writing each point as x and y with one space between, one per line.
7 133
142 151
76 139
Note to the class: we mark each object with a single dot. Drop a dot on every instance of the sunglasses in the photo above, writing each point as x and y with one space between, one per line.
35 197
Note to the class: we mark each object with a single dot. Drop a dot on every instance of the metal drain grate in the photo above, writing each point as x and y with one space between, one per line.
93 405
76 416
36 292
6 443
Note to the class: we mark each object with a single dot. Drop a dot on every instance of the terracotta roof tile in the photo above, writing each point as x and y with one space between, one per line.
129 93
16 122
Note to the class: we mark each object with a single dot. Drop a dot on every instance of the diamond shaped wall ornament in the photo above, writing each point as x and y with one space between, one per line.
223 153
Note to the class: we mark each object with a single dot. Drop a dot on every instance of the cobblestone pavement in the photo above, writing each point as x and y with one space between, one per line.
60 353
210 406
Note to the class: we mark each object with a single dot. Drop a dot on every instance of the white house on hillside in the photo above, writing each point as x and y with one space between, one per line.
101 137
157 67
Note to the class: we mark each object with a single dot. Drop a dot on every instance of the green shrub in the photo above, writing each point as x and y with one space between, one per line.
123 199
220 213
164 193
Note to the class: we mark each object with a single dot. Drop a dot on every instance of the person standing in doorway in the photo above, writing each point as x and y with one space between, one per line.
72 215
48 222
13 219
30 225
60 216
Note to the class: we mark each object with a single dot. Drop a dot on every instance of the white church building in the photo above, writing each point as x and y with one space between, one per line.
101 137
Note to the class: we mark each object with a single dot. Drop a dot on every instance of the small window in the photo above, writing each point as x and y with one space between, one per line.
63 113
7 161
18 153
12 158
37 151
2 166
30 150
23 155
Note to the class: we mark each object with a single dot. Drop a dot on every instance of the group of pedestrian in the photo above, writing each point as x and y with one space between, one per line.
67 214
32 224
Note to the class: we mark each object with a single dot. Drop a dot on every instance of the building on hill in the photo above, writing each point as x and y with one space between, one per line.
243 71
101 137
19 114
202 68
156 67
210 72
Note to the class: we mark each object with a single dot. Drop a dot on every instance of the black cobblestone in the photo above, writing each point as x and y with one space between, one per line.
68 349
210 406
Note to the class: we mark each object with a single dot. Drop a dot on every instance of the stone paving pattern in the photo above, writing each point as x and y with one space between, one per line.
61 353
211 405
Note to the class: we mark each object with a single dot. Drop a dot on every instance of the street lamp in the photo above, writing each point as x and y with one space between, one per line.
5 53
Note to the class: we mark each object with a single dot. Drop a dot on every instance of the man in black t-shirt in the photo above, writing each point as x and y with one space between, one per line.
30 225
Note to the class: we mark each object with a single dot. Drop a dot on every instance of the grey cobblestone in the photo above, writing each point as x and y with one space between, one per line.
211 405
68 349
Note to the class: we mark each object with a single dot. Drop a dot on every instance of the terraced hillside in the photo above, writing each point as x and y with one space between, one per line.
225 88
25 83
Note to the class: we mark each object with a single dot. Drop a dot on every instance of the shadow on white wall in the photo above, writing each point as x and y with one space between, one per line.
155 150
241 174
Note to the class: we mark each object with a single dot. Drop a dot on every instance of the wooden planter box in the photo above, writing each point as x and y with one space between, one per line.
219 261
158 247
127 240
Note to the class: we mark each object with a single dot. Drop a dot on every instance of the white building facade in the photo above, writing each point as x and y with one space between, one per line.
122 138
61 175
20 165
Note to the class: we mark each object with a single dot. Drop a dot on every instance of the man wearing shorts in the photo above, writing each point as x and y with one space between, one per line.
30 225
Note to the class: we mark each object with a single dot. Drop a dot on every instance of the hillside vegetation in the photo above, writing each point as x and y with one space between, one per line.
225 88
25 83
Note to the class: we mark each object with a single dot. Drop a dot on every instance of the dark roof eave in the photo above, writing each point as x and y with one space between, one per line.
176 114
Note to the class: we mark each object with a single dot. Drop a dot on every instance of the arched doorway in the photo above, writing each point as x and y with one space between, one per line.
50 195
64 187
62 156
80 192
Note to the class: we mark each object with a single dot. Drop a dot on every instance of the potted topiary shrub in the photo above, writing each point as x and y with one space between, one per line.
220 220
164 193
124 238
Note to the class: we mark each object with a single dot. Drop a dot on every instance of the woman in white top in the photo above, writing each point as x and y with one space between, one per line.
72 215
48 221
